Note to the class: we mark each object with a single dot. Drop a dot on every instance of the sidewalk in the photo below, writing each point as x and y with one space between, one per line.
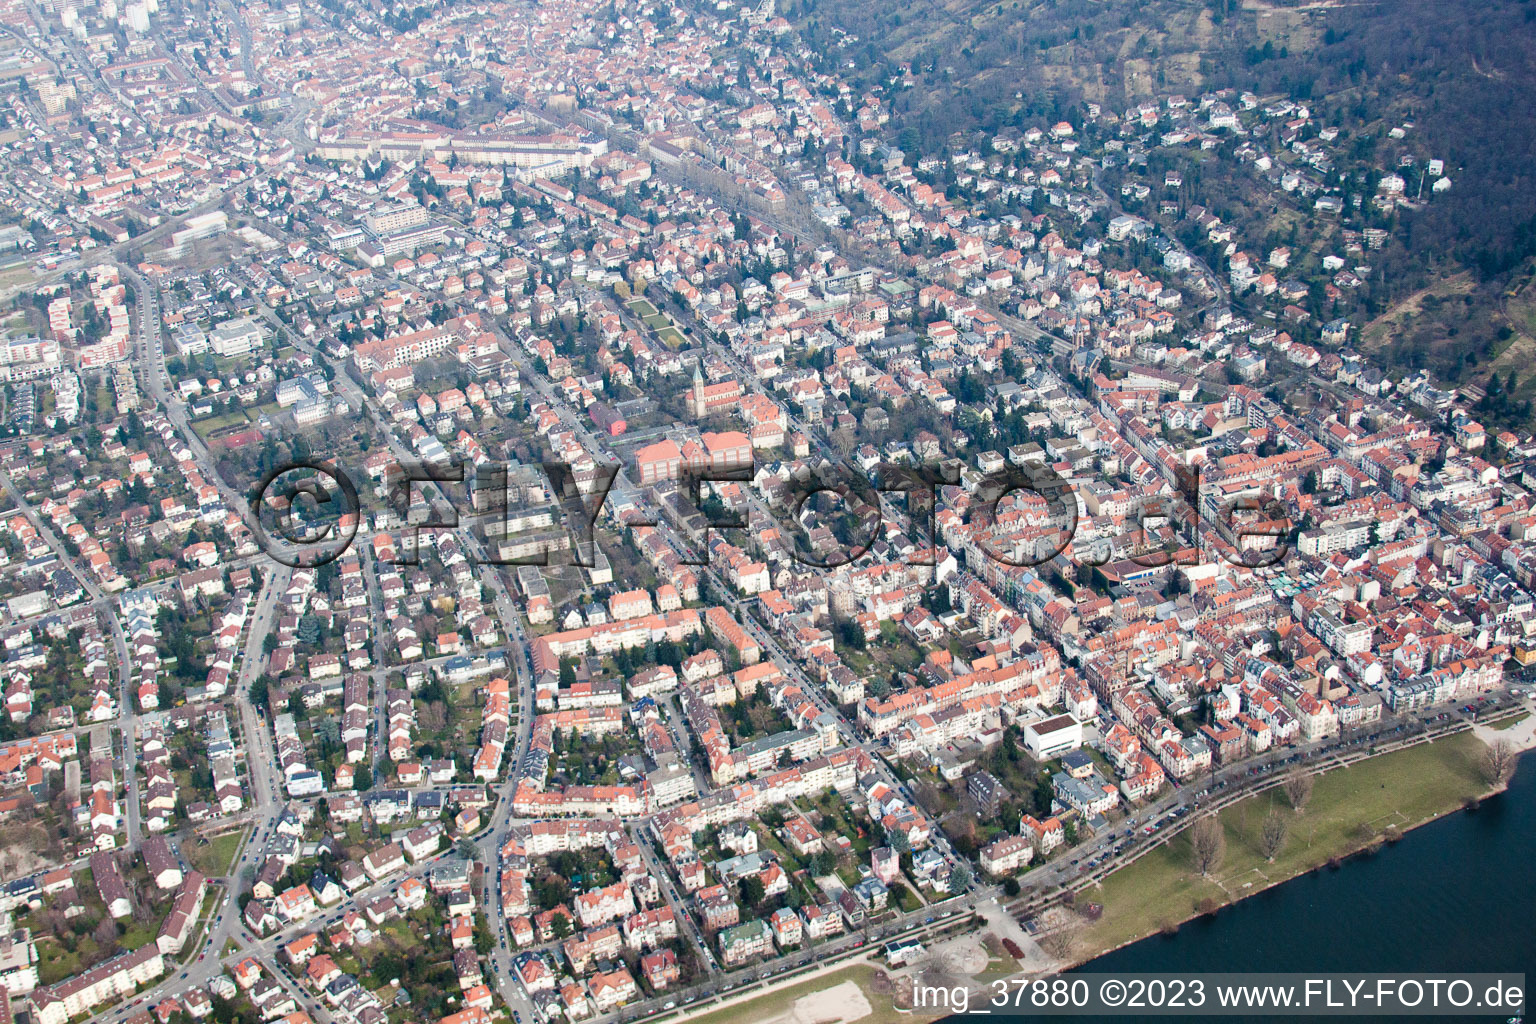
1521 734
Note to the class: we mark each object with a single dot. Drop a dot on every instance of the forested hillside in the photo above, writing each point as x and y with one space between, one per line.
1462 74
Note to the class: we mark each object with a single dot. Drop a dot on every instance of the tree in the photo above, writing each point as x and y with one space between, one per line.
1497 763
562 926
1208 841
960 878
1044 795
900 842
960 827
1272 835
548 891
1061 942
751 890
106 934
484 940
1298 788
466 848
258 693
1010 887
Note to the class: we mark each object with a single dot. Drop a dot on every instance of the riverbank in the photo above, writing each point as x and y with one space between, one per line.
846 993
1455 895
1350 810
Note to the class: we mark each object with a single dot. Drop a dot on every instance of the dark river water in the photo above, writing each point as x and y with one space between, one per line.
1458 894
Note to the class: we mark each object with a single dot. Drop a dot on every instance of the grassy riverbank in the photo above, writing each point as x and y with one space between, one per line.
1349 809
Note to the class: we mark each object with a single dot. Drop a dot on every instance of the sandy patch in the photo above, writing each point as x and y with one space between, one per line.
1521 735
963 956
840 1004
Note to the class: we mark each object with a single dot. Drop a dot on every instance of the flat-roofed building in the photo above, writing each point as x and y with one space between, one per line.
1052 737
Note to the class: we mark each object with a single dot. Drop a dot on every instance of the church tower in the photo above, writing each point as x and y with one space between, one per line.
697 401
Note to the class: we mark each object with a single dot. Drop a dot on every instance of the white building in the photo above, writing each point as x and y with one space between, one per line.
235 338
1052 737
119 976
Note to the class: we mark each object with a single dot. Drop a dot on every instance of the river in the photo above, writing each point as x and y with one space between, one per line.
1457 894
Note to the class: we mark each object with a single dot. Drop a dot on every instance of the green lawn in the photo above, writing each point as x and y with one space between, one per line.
1512 720
139 935
15 325
214 859
909 901
1348 807
787 860
14 277
56 963
207 427
999 963
659 322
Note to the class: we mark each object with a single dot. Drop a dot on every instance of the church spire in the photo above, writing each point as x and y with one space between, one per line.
699 407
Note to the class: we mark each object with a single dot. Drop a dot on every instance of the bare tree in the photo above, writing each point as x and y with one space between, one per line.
927 796
106 935
1298 788
54 920
433 717
1498 763
1272 835
843 440
1062 942
958 826
1208 841
143 911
